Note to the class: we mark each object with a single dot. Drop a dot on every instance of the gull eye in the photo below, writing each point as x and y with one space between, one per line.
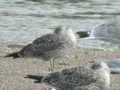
95 66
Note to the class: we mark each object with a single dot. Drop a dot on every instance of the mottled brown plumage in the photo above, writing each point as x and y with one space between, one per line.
96 77
50 46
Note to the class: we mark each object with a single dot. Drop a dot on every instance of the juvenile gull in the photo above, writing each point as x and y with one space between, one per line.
96 77
49 46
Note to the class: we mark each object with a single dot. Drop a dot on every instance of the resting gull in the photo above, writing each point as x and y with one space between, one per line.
50 46
94 77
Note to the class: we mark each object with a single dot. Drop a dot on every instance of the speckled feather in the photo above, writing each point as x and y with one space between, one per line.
48 46
70 78
94 77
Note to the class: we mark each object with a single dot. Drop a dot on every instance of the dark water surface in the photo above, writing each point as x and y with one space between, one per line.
21 21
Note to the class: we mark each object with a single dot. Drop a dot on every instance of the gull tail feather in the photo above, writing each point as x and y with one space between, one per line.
35 77
14 55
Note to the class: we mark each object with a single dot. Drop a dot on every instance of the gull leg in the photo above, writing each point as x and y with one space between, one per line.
51 65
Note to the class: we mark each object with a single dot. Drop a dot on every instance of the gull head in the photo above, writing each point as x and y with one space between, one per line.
102 71
95 65
66 31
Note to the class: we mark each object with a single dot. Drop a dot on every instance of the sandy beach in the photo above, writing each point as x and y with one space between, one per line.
13 71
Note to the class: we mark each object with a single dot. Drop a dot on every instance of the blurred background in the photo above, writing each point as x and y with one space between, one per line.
21 21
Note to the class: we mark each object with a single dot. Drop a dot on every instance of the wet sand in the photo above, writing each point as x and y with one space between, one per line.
13 71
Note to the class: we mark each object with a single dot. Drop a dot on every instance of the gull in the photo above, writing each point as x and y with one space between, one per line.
94 77
109 30
50 46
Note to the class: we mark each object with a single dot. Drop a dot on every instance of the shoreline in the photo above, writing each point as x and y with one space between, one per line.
13 71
